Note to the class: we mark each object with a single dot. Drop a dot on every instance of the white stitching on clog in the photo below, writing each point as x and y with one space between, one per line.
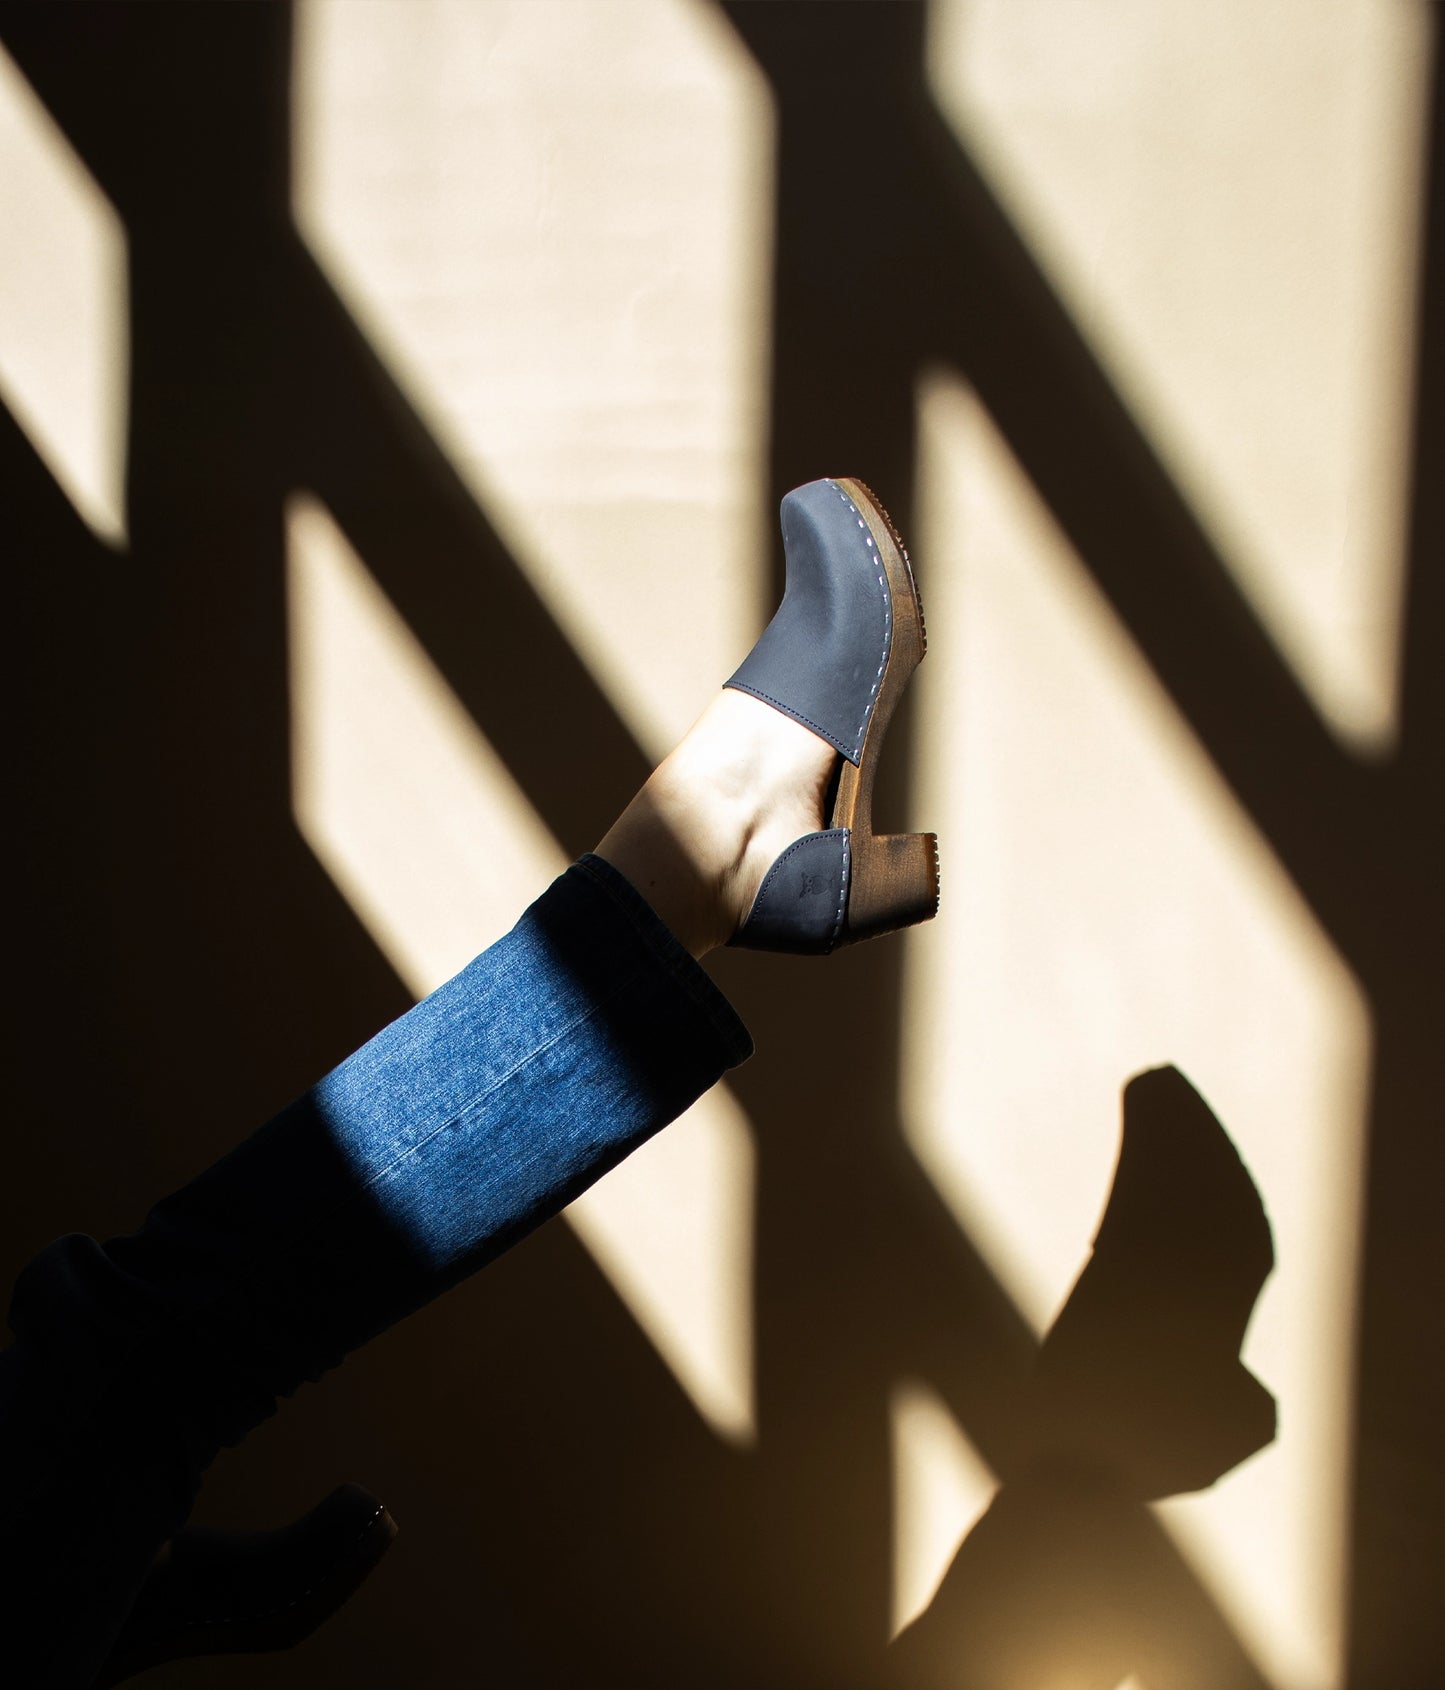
887 619
842 892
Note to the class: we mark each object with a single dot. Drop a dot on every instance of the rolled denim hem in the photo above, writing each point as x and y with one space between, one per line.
673 955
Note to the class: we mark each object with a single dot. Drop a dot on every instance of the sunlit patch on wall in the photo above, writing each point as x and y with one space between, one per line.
553 222
64 330
422 828
1226 197
1108 908
941 1487
673 1230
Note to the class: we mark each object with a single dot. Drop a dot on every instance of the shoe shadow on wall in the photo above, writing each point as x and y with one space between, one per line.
1137 1394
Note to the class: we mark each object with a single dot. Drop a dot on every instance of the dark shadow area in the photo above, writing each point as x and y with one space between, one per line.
1397 1631
187 967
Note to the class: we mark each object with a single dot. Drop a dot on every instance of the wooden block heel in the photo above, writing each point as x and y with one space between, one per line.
894 881
836 657
894 884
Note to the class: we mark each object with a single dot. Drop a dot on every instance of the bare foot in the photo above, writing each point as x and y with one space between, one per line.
696 841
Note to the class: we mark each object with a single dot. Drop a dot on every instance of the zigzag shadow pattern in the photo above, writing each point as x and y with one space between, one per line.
573 1518
949 280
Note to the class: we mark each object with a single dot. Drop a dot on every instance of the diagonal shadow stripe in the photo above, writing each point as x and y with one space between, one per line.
1396 1624
50 508
361 445
1422 754
990 310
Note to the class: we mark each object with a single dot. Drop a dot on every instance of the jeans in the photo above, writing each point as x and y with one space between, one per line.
455 1131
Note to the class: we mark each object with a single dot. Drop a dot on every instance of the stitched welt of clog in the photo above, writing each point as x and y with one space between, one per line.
842 893
876 565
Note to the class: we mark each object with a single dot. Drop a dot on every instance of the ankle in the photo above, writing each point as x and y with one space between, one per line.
643 844
697 840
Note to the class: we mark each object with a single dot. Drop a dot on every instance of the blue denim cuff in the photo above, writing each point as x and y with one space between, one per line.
669 951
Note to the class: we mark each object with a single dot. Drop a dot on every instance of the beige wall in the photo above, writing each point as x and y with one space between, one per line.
1226 198
552 219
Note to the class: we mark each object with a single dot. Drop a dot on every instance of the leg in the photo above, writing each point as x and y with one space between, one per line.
451 1134
699 837
456 1130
